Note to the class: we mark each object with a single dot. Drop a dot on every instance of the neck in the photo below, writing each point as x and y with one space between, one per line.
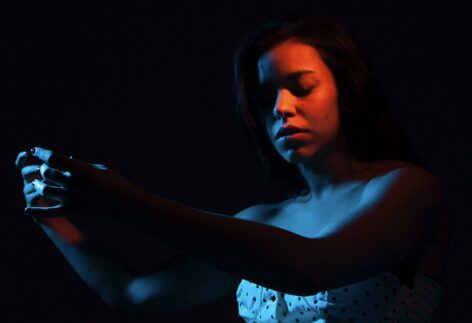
329 168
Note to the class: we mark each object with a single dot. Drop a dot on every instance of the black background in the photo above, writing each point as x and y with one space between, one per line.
146 87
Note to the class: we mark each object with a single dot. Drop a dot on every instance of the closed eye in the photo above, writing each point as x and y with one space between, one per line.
302 92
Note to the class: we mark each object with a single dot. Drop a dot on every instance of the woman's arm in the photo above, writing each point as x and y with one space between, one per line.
391 225
181 283
99 270
371 240
238 245
105 275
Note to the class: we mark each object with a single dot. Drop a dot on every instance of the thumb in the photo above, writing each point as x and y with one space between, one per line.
55 211
56 160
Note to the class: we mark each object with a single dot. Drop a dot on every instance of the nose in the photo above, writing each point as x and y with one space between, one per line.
284 104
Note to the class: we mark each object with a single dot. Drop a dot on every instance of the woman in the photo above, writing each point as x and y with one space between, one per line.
362 239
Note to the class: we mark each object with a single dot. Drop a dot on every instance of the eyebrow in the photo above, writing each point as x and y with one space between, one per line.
293 75
299 72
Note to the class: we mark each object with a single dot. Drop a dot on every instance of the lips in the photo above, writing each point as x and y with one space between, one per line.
286 131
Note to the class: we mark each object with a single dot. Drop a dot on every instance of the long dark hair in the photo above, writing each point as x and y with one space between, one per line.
371 131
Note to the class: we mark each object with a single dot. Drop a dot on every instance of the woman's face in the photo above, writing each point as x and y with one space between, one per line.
296 89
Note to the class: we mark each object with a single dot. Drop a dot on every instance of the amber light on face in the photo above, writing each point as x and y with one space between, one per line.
296 89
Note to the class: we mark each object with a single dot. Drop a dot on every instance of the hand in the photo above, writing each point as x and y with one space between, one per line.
80 189
30 170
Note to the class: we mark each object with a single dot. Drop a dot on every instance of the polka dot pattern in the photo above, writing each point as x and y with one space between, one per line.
379 299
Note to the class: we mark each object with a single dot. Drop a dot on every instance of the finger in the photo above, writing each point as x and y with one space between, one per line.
55 159
37 200
55 175
46 212
28 189
24 158
51 192
33 199
22 155
100 166
30 173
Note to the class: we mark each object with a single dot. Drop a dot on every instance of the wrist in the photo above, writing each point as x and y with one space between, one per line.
63 228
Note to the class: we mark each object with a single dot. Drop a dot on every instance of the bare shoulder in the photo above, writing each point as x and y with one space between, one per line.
382 168
257 212
399 174
432 260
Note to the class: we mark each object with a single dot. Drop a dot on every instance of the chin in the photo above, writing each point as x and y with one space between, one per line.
297 156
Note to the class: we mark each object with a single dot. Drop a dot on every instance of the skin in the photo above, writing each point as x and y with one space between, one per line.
388 208
307 98
303 93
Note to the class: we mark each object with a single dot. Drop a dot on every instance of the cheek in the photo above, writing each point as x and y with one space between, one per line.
324 113
329 98
332 120
325 106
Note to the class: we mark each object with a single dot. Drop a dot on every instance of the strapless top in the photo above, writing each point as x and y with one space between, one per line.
383 298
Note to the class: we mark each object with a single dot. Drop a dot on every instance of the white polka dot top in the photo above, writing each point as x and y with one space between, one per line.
381 298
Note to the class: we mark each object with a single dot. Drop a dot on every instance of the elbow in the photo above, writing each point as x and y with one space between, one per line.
121 302
133 301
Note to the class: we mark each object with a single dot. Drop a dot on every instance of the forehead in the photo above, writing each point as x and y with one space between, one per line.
287 58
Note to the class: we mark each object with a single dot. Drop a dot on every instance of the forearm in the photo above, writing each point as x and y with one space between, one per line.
261 253
98 269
